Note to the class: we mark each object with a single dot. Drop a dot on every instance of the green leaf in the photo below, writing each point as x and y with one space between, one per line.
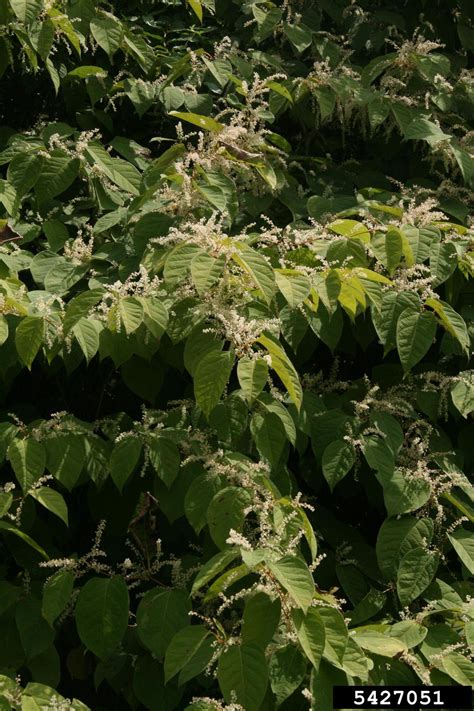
402 495
213 567
198 497
416 571
120 172
155 316
338 459
164 458
462 541
102 614
160 615
28 460
58 173
108 33
51 500
86 331
253 375
124 459
426 130
29 336
210 378
205 271
65 457
287 669
226 511
269 436
294 576
452 322
415 333
24 171
205 122
260 619
26 10
459 668
35 634
299 35
294 286
3 329
258 269
311 634
243 675
10 528
57 592
283 367
336 635
378 643
189 652
395 538
462 395
131 313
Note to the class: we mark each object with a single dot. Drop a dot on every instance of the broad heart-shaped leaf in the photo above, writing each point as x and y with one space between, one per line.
119 171
402 495
287 669
108 33
338 459
188 652
311 634
415 333
243 675
258 269
462 541
205 122
86 331
196 7
397 536
198 497
65 457
102 614
26 10
10 528
283 367
462 395
160 615
226 511
124 459
294 576
459 668
28 460
269 436
131 313
24 171
253 375
451 321
294 286
29 336
210 378
205 271
260 619
164 458
58 173
379 643
51 500
35 633
421 129
416 571
56 594
336 634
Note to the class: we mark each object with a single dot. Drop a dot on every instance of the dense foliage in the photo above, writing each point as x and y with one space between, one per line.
236 320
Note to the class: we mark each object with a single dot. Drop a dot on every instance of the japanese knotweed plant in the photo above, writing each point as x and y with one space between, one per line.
236 323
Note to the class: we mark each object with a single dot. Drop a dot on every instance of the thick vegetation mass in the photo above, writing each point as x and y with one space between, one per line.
236 321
